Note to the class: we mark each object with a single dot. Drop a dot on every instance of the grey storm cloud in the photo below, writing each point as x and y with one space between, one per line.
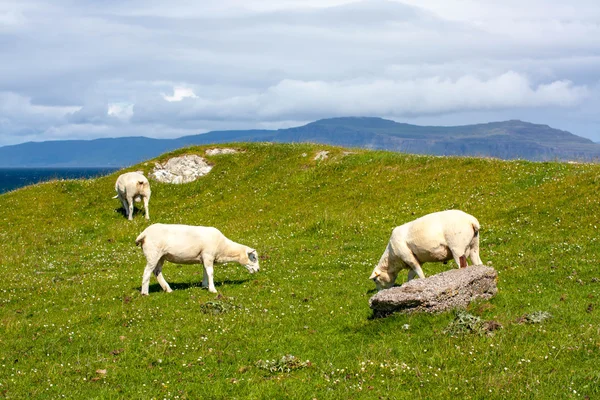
86 69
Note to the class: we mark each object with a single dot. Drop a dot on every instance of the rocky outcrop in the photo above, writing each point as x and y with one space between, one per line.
451 289
181 169
221 150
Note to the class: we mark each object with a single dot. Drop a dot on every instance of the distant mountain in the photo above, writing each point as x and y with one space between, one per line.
504 140
115 152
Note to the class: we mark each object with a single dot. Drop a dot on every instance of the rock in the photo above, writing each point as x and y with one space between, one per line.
181 169
322 155
217 151
451 289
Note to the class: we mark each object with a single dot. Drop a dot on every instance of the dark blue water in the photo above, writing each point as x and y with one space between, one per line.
14 178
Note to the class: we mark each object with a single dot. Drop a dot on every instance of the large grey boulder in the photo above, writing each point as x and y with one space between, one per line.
181 169
451 289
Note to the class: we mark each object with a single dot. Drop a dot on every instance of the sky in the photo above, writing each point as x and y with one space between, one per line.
86 69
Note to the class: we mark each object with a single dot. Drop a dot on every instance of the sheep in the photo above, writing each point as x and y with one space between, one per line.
132 186
440 236
185 244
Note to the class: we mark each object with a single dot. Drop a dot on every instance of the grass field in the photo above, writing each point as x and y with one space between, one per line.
75 326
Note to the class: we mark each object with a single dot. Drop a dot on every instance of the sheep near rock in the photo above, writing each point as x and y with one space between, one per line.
439 236
181 169
451 289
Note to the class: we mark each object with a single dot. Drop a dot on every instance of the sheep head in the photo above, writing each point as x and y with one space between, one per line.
252 257
382 279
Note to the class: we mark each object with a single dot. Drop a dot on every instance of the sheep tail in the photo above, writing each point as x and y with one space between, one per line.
475 225
140 239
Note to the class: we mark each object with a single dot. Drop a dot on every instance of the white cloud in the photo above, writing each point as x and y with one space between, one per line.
306 100
122 111
180 93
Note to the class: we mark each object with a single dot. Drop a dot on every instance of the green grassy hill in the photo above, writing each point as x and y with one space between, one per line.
75 326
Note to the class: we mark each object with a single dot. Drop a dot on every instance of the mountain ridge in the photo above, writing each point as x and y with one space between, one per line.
512 139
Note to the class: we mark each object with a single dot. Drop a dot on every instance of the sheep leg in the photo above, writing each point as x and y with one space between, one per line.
204 277
411 274
160 278
415 269
412 262
146 207
461 261
146 277
475 258
130 204
419 271
474 253
208 271
124 204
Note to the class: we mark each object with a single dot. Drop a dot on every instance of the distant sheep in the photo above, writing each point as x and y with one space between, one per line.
439 236
185 244
133 186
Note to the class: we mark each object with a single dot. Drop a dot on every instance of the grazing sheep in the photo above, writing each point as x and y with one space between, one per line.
185 244
439 236
132 186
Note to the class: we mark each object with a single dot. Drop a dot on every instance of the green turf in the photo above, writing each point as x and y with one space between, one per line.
75 326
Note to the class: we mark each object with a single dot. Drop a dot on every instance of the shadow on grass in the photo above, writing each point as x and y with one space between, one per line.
155 287
375 314
136 211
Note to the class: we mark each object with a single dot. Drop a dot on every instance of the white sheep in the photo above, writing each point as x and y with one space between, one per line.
132 186
440 236
185 244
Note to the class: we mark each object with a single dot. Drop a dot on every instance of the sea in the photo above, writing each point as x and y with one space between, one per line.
14 178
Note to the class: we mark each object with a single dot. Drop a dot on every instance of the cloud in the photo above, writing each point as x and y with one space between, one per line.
22 120
307 100
122 111
92 69
180 93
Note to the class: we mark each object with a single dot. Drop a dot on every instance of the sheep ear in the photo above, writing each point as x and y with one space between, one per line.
374 275
250 251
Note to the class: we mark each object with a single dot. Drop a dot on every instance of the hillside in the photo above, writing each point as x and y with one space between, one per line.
74 324
505 140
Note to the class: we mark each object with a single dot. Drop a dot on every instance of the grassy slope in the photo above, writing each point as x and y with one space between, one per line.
70 306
